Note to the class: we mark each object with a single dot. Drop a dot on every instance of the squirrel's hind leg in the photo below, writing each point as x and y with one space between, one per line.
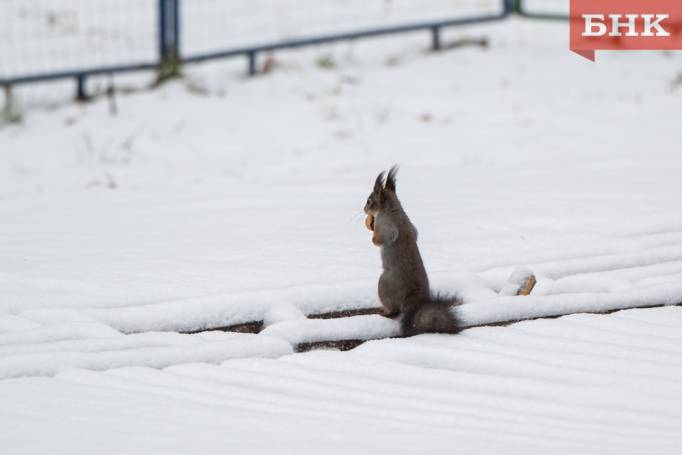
391 306
390 312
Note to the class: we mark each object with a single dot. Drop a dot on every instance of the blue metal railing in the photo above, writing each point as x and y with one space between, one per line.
434 27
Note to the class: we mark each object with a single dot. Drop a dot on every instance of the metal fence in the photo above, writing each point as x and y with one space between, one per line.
44 40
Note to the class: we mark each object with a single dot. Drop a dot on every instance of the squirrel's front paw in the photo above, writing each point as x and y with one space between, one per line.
369 222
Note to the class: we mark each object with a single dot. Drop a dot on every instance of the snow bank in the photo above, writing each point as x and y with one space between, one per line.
282 313
230 309
505 309
350 328
490 311
152 350
56 332
497 278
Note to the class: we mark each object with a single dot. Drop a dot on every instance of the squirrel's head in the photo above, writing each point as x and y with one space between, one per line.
383 192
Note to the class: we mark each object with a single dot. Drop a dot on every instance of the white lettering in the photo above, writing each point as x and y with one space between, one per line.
648 25
590 25
616 24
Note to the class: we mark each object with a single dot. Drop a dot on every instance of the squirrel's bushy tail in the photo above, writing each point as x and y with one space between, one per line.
434 316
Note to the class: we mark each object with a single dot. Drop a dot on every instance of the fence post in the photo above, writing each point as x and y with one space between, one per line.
251 55
9 112
435 38
81 94
169 39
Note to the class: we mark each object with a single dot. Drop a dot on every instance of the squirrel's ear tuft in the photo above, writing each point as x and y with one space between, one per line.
379 183
390 179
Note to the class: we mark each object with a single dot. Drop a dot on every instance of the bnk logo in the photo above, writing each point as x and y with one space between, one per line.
651 25
625 25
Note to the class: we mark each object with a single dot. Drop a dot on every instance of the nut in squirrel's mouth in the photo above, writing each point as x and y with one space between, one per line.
369 222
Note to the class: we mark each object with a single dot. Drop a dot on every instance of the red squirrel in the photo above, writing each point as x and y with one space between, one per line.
404 284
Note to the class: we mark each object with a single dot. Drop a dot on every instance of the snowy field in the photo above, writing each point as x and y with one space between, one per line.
218 200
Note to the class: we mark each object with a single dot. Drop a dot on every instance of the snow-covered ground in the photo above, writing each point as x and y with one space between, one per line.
584 383
218 200
189 209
